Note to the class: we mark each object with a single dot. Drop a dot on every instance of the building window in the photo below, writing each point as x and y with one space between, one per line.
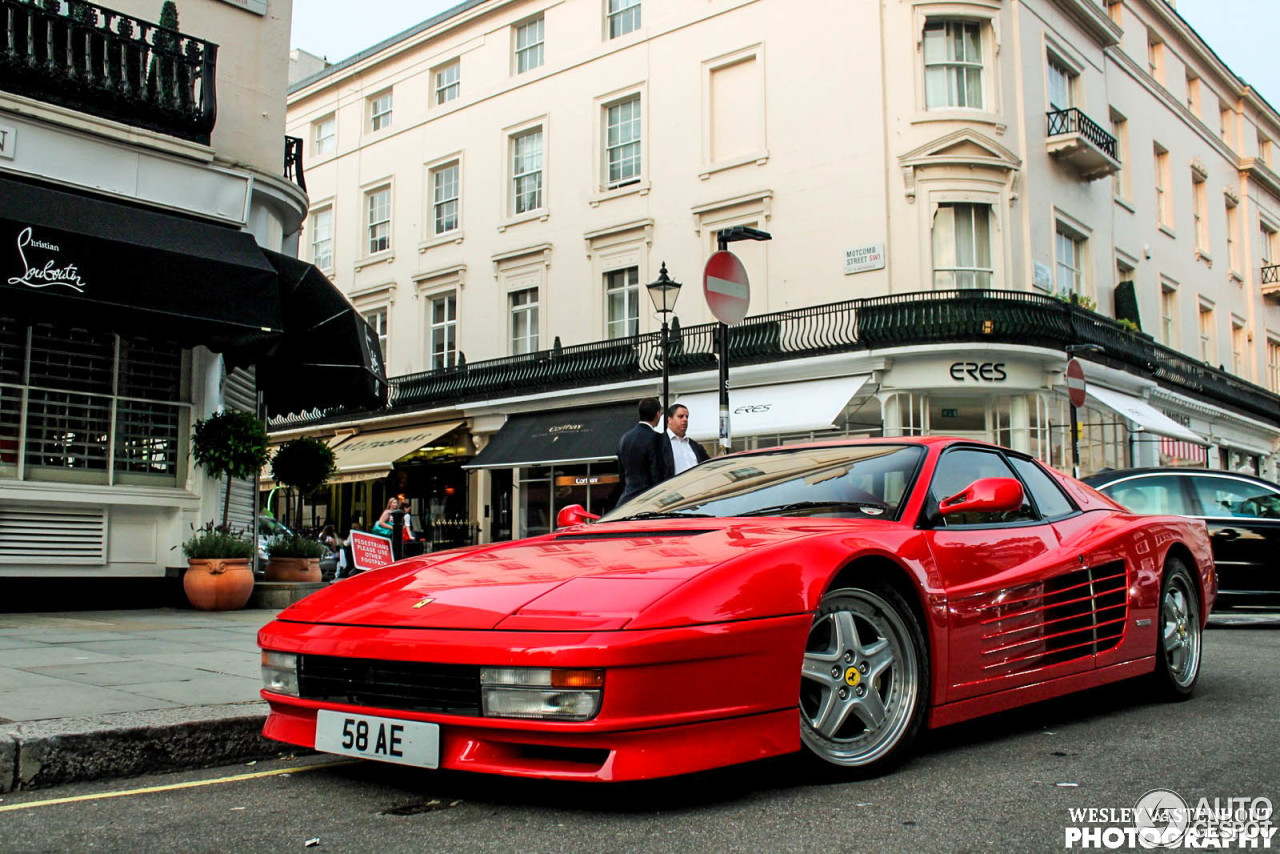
1233 231
324 136
1208 350
1200 206
526 171
379 222
1070 263
1273 365
1061 82
1168 315
1264 149
448 82
378 320
380 111
445 193
953 64
322 238
1120 182
1193 94
1266 244
1225 117
524 321
1238 344
1155 57
528 45
622 17
1164 205
622 302
442 336
962 246
91 407
622 142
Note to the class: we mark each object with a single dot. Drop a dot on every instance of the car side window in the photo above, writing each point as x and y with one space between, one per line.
960 467
1226 496
1049 498
1151 496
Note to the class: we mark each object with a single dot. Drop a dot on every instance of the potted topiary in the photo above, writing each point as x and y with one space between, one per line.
293 557
305 464
218 576
229 444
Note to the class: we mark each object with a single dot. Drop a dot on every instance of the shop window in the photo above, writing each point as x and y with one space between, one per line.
82 389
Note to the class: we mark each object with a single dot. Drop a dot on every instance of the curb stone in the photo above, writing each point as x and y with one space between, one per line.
37 754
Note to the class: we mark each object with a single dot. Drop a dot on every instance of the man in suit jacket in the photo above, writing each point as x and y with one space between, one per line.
678 451
640 454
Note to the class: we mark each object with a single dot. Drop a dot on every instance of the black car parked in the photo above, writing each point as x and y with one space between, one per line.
1242 512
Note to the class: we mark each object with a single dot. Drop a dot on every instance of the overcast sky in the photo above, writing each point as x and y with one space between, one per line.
1242 32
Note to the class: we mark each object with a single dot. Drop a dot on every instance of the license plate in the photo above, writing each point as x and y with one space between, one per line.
385 739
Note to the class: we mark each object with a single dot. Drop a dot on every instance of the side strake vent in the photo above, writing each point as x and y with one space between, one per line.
1075 615
629 535
53 534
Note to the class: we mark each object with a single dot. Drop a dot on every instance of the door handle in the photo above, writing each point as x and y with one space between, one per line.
1226 534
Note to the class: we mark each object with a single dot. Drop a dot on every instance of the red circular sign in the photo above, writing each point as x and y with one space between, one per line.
1075 382
724 281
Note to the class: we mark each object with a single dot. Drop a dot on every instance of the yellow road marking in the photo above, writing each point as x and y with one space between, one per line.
193 784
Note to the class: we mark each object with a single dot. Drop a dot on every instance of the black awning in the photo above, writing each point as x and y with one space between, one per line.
77 260
329 355
564 436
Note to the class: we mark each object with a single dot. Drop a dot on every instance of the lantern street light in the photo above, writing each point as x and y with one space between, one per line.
663 293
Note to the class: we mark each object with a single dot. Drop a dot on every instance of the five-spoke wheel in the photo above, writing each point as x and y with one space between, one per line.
1178 655
865 678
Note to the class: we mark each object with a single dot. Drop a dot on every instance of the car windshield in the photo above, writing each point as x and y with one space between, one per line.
857 481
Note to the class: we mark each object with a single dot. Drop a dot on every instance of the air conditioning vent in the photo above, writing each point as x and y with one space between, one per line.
53 534
1074 615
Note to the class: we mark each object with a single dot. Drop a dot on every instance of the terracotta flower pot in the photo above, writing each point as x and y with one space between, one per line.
215 584
293 569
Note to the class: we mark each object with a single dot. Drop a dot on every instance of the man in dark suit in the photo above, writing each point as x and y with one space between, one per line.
678 451
640 454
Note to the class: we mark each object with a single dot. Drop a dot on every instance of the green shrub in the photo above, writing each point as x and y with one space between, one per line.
294 545
213 543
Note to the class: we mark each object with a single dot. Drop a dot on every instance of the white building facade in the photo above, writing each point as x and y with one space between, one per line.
959 195
137 202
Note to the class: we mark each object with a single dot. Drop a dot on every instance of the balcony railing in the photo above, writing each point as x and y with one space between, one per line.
1081 142
293 161
931 317
95 60
1271 275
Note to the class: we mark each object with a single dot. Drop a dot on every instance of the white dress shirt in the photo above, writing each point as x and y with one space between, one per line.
681 452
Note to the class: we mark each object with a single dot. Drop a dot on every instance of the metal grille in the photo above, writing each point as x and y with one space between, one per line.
73 359
406 685
1071 616
240 391
146 438
67 431
150 369
1073 121
53 534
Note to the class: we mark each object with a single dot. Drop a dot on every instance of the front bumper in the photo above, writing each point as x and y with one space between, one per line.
675 700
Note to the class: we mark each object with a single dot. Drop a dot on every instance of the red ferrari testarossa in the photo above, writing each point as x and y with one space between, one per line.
831 598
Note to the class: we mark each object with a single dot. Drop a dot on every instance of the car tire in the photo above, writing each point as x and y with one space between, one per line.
1178 638
864 687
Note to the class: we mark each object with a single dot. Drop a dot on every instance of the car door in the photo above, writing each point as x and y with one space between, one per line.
1244 526
1005 579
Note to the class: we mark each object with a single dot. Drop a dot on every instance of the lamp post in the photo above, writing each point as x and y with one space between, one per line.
664 293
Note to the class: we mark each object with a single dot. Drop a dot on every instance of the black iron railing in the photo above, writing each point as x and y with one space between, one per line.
293 161
1072 120
900 320
1271 274
96 60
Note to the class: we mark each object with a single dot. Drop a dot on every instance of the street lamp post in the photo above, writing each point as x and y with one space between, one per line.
664 293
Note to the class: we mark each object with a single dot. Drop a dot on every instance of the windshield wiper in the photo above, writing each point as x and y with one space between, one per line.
866 507
664 514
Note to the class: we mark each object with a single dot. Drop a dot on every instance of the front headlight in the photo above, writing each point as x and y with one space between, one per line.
280 672
548 693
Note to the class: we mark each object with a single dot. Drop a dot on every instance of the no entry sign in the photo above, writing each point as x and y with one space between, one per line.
724 281
1075 382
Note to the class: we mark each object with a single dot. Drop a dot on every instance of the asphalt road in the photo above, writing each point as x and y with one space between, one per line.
1003 784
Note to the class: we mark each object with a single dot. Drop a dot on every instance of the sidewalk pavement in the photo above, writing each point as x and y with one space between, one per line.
92 694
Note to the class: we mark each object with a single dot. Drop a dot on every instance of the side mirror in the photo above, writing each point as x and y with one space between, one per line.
987 495
574 514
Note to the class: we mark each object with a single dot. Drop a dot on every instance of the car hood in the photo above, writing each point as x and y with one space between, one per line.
582 578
